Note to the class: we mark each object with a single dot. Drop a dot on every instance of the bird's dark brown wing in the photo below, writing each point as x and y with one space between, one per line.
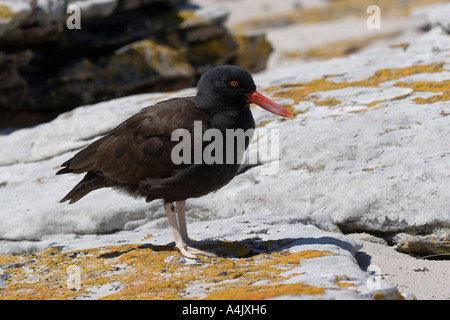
137 149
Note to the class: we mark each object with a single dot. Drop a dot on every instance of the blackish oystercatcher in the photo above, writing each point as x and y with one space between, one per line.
135 157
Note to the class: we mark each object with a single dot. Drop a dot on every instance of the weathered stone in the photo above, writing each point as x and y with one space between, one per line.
152 57
144 65
10 65
288 261
366 151
91 9
121 48
215 51
215 16
254 51
429 245
13 14
430 16
134 4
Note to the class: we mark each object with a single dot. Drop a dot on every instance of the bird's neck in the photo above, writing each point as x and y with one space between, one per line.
226 114
232 118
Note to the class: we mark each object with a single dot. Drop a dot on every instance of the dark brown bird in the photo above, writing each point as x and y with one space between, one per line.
136 157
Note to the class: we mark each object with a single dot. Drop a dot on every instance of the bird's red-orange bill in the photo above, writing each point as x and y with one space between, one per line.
267 104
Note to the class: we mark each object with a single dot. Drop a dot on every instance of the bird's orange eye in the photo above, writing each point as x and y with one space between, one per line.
233 83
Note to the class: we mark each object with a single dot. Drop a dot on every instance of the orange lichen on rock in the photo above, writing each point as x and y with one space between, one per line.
265 292
153 272
442 87
298 92
334 10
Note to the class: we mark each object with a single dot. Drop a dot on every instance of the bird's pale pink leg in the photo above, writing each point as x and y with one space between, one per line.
180 207
186 251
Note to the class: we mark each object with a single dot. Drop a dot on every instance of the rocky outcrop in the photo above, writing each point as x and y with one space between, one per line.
261 258
367 151
431 246
58 55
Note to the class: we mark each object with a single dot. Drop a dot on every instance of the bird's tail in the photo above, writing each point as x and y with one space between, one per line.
90 182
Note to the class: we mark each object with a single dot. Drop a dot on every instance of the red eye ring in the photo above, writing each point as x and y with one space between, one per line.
233 83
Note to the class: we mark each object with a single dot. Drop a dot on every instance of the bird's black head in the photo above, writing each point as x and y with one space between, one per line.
232 87
226 84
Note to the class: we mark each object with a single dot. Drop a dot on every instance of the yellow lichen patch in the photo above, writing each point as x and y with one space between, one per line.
391 130
334 10
301 91
397 73
151 272
373 103
6 13
266 267
6 259
327 102
396 295
404 46
342 282
298 92
189 16
429 86
252 50
265 292
47 275
159 56
433 99
168 280
373 169
358 111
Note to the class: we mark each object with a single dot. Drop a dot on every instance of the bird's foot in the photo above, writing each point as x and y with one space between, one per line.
192 253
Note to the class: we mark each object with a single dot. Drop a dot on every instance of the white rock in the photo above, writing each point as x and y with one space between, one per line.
96 8
432 15
384 170
74 129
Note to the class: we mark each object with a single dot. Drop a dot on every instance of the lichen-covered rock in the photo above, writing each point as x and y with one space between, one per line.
143 65
253 51
120 48
287 262
435 245
366 152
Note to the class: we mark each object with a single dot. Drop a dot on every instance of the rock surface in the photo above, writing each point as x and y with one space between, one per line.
58 55
435 245
430 16
367 151
306 30
262 258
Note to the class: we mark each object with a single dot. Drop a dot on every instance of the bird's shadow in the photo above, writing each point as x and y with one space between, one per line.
253 246
364 260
